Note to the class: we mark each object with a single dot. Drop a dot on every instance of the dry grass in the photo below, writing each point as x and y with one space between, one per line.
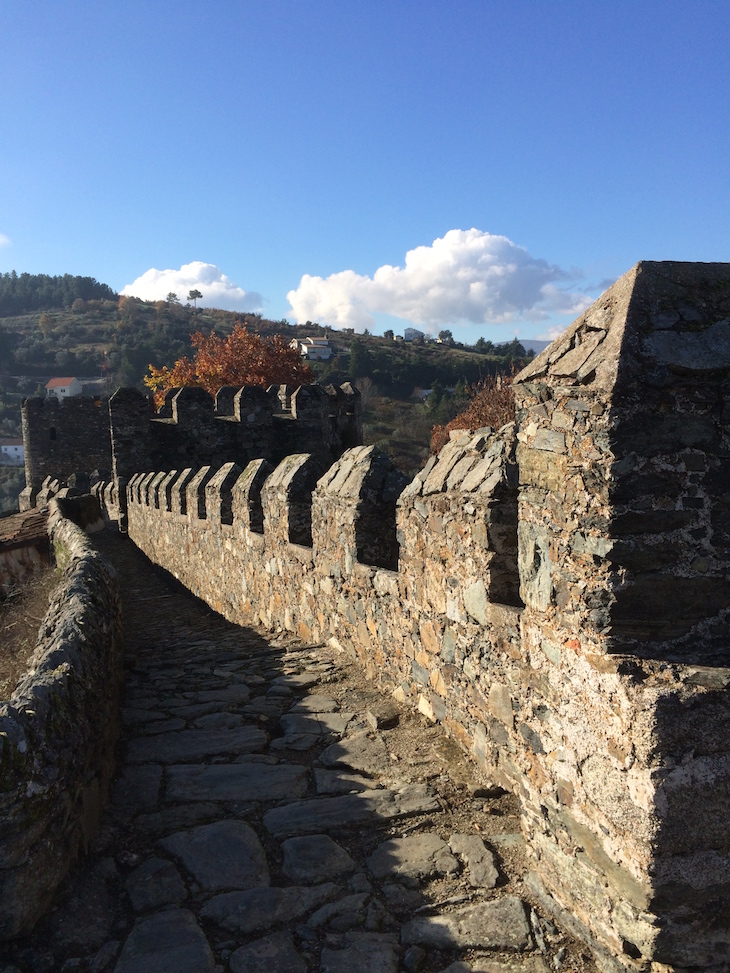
21 614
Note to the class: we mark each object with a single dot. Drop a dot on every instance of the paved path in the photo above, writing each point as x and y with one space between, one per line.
273 814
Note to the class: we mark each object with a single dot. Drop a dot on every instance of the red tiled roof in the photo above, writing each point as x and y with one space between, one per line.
19 529
56 382
11 442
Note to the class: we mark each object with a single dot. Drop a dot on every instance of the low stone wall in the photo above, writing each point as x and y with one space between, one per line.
58 732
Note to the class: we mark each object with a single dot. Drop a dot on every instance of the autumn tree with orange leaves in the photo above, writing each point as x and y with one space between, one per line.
492 404
242 358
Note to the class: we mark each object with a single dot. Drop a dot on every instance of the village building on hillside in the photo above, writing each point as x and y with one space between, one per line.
12 452
63 388
313 349
413 334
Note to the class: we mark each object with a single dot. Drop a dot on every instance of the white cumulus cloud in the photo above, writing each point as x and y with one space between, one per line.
4 240
217 289
465 276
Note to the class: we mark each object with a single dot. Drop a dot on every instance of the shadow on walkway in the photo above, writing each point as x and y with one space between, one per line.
271 812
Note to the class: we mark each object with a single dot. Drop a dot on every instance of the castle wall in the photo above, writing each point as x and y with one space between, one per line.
560 602
62 438
58 732
191 429
623 546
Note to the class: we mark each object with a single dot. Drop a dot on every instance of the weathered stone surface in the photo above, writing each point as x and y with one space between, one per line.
315 858
87 921
330 782
170 819
362 752
257 910
235 782
186 745
272 953
504 964
342 914
303 730
346 811
170 942
383 715
482 869
137 788
413 859
361 953
222 855
155 883
315 703
58 731
496 924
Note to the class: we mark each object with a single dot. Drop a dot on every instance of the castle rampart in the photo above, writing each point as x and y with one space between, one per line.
59 729
191 429
559 601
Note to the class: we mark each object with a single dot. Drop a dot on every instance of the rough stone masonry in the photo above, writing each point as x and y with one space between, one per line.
556 596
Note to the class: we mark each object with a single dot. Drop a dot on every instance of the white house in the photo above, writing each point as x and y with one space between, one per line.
63 388
413 334
12 452
314 349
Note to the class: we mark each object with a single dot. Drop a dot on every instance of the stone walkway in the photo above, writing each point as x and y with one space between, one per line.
273 814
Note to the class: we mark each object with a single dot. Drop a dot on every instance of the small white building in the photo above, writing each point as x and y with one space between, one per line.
413 334
12 452
313 349
63 388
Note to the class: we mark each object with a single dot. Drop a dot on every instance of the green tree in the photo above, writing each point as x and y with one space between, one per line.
172 298
195 296
361 362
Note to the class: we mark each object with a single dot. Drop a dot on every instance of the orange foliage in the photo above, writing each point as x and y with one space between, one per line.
242 358
492 404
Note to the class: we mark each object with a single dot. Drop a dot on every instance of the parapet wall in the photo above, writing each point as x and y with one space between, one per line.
192 429
58 733
125 433
560 602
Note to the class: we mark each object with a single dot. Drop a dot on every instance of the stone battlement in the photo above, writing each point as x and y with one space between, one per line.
191 428
555 594
126 434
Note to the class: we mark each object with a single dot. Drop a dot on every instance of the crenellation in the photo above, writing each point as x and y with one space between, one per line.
287 499
143 488
246 496
195 493
154 490
179 492
166 490
225 402
218 494
355 502
254 406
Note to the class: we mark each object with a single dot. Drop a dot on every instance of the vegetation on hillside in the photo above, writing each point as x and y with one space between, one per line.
241 358
491 403
407 387
12 481
20 293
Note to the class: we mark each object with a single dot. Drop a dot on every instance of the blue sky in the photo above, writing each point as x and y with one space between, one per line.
290 154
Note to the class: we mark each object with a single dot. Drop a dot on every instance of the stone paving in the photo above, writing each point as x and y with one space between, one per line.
273 814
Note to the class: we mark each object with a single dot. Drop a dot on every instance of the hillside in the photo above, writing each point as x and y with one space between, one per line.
111 340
